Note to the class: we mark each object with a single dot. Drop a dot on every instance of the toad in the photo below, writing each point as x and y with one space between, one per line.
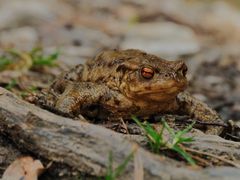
120 83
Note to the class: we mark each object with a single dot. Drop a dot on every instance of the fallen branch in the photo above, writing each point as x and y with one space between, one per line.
213 156
80 145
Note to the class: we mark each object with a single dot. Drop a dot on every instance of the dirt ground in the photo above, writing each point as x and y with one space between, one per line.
205 34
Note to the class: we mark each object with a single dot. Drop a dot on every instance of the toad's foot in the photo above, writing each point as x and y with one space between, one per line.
200 111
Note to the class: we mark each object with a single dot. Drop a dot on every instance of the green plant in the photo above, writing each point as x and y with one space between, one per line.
4 61
39 59
21 60
11 84
158 142
26 92
112 174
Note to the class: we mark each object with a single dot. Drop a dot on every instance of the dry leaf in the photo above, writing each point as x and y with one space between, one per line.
23 168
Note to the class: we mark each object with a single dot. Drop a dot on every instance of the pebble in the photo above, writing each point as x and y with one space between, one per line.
72 55
228 173
212 80
161 38
31 12
76 43
23 38
77 35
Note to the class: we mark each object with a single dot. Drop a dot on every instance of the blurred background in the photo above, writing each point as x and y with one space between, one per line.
205 34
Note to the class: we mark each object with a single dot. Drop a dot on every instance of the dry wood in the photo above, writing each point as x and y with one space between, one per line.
211 144
81 145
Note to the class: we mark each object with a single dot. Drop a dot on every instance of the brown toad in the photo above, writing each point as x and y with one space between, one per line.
121 83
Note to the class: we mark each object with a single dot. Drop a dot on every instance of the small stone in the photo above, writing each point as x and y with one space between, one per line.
1 92
14 12
24 38
164 39
224 172
211 79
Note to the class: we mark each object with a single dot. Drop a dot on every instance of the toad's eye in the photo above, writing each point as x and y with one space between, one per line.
147 72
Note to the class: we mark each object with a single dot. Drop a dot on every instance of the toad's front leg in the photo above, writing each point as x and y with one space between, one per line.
201 111
79 95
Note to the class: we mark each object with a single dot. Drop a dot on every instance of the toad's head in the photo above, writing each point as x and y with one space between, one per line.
148 77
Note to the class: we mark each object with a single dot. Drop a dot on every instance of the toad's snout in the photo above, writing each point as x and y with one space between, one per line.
181 68
178 71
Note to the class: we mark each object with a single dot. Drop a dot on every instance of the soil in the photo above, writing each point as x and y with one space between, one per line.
204 34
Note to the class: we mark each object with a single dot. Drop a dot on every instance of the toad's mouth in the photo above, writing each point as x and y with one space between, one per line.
163 90
168 93
162 95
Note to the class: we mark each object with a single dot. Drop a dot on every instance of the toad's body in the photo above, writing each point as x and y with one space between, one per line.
123 83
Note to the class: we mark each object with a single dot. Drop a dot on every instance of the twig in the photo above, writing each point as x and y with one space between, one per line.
124 125
201 160
205 123
212 155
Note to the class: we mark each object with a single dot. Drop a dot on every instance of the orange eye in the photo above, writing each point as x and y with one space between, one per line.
147 72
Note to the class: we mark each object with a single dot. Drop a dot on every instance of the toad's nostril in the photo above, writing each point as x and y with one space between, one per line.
181 68
184 69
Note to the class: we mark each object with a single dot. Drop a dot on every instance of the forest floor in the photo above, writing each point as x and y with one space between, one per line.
206 35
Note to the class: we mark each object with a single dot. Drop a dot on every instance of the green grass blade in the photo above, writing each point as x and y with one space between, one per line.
4 61
186 130
170 130
40 60
14 52
155 139
11 84
185 139
148 129
35 51
138 122
54 56
109 174
119 170
161 131
152 133
184 154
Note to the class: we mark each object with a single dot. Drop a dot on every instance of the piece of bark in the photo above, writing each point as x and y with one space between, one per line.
217 146
203 142
8 153
80 145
